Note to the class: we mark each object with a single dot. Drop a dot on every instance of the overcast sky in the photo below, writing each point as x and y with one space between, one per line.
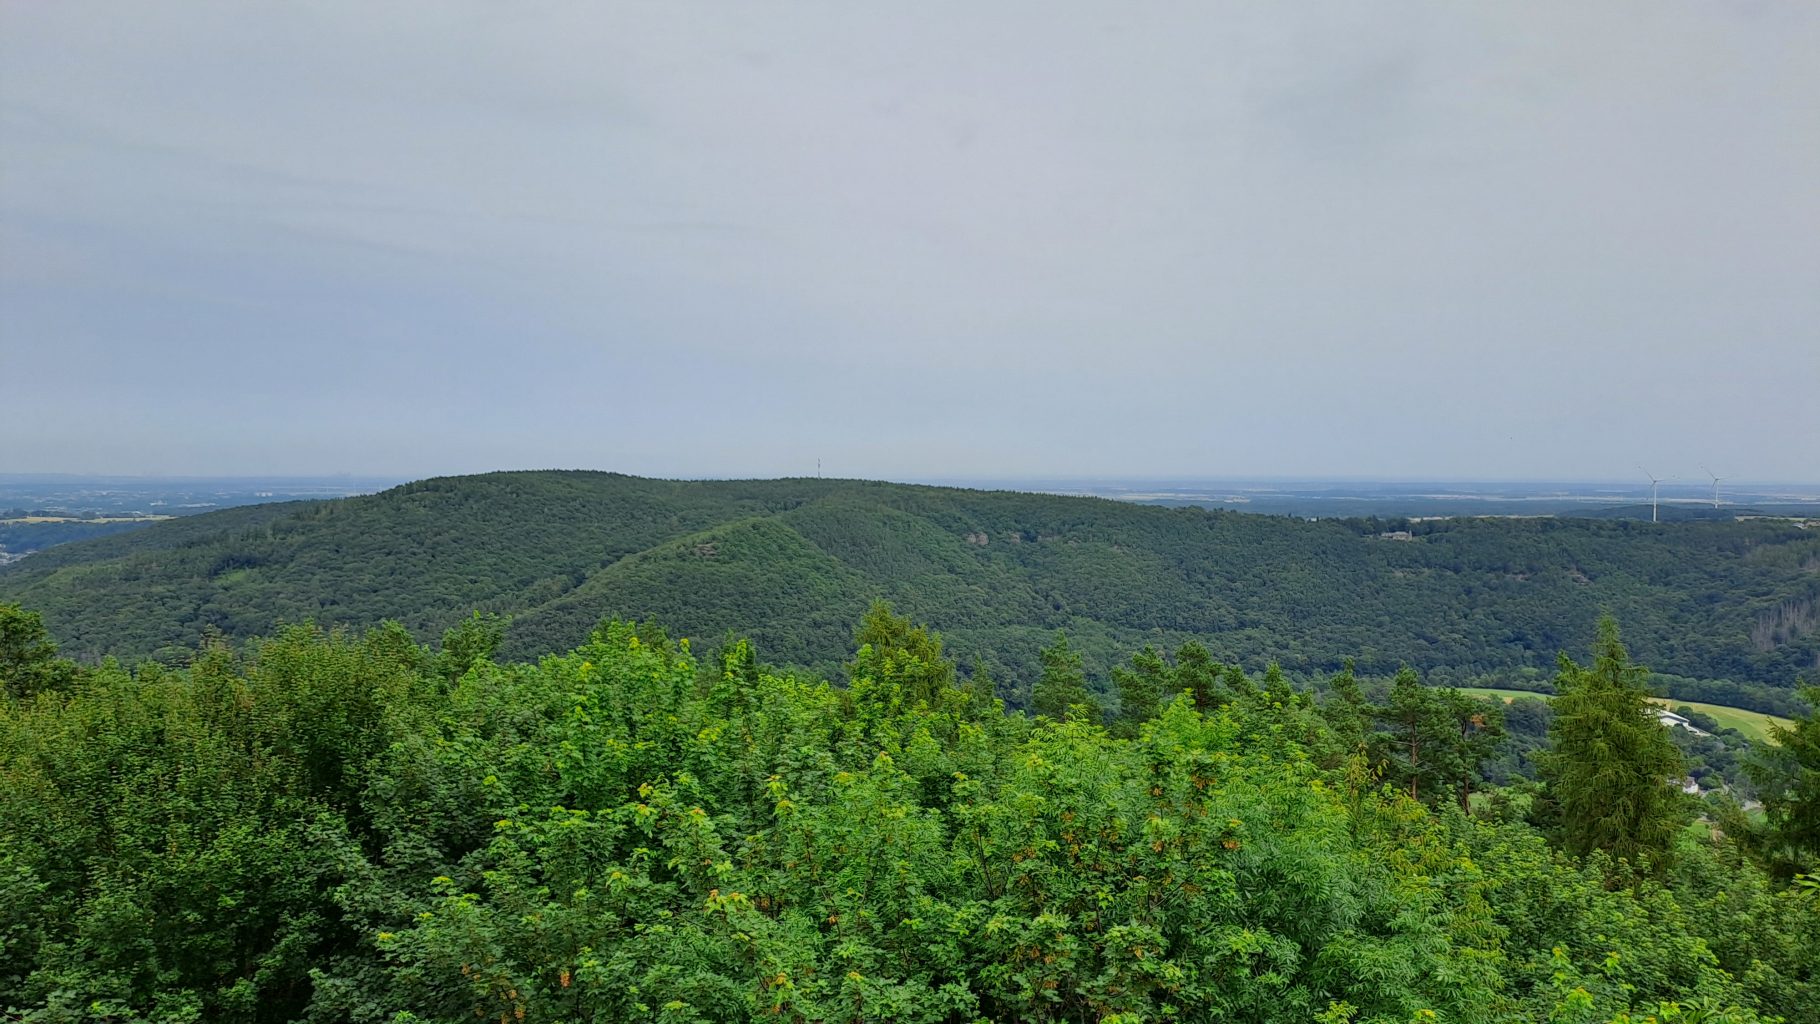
912 239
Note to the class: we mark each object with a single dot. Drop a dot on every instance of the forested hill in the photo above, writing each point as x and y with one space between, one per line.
793 563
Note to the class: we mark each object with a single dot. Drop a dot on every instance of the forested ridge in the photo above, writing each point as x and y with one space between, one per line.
1726 612
323 826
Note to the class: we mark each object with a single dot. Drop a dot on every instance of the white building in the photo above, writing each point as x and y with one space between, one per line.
1671 720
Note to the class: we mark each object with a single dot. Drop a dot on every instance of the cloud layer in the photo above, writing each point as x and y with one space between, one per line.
1405 239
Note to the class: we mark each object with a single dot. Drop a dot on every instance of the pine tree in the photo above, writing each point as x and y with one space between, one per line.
1142 688
1411 749
1348 711
1475 729
1197 672
1063 684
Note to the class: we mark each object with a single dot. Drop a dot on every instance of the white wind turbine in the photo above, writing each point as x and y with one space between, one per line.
1653 481
1716 480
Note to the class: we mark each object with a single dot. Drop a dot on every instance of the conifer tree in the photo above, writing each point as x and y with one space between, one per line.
1787 775
1197 672
1475 733
1411 748
1142 687
1611 763
1063 684
1348 711
894 652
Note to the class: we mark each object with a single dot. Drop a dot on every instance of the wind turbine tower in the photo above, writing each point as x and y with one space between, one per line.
1652 494
1716 480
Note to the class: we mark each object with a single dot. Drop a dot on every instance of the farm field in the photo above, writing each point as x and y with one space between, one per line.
1754 724
1507 695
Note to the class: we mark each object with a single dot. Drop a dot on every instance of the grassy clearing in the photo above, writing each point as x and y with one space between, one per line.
1754 724
1505 695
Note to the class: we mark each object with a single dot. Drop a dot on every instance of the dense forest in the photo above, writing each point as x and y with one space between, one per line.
20 537
1725 612
331 826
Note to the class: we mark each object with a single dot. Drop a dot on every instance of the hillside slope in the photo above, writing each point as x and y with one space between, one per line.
795 562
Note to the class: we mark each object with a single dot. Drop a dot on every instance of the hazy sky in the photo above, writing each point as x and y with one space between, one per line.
1518 239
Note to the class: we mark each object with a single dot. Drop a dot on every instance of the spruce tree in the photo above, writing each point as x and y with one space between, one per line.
1611 764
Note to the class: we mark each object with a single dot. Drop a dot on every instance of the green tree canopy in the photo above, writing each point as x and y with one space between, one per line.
1612 767
28 657
893 651
1787 774
324 826
1063 684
